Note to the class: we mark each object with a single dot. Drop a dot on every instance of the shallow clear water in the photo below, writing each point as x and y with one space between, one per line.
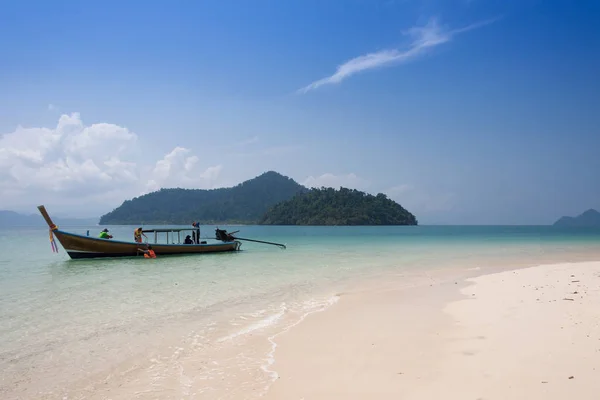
66 326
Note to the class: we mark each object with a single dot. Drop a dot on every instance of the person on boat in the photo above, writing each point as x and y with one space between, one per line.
188 240
197 235
137 235
104 234
148 253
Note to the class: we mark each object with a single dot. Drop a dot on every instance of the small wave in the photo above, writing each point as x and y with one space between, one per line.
205 368
309 307
255 314
263 323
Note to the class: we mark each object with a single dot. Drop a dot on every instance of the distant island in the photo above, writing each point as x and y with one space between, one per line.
269 199
589 219
244 203
13 219
327 206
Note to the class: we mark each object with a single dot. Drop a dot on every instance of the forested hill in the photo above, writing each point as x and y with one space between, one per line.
244 203
327 206
588 219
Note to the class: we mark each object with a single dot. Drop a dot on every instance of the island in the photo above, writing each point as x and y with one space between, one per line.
588 219
268 199
244 203
328 206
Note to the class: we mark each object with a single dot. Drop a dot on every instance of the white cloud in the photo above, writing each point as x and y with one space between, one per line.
351 181
179 169
93 167
212 173
424 39
66 158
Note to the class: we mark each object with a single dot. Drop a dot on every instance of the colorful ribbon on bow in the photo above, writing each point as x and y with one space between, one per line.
53 243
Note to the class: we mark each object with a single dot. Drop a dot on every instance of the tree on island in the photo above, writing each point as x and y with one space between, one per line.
327 206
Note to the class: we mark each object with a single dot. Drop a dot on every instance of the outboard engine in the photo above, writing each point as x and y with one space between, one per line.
221 234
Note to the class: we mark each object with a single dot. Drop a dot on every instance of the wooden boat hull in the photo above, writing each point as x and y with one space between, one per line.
79 246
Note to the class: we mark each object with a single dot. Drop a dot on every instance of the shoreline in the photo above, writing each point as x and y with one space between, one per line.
428 340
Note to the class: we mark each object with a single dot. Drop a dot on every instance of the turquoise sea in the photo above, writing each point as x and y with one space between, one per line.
196 326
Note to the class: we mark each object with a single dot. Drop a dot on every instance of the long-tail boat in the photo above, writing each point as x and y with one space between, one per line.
81 246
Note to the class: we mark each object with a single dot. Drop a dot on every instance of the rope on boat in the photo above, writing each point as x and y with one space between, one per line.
52 241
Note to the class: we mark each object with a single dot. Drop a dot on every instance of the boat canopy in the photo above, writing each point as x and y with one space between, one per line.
168 230
175 234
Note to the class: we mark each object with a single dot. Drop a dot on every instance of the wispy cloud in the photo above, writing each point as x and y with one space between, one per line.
424 38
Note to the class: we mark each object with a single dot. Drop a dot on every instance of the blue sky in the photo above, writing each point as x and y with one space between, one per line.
463 111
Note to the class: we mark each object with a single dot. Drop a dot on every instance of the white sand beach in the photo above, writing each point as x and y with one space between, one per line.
531 333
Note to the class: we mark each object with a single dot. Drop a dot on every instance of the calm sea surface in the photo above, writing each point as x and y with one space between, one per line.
173 327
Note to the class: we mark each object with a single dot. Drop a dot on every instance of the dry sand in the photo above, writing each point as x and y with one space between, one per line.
532 333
